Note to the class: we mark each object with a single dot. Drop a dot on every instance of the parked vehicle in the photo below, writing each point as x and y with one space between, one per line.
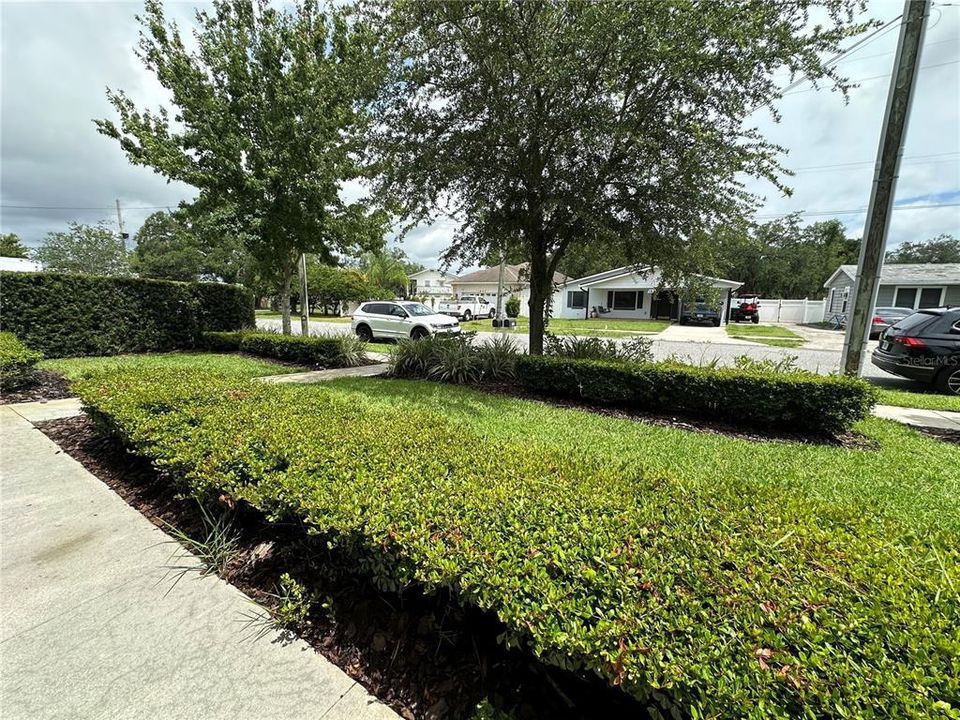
745 309
699 313
400 319
468 307
884 317
924 346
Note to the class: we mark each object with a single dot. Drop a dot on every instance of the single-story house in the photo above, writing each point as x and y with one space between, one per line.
483 283
910 285
627 293
432 285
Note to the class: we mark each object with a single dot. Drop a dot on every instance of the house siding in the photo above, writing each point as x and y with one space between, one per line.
835 298
885 296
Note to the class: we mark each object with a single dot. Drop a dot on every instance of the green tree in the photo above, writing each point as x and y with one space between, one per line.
387 271
11 246
269 122
782 258
940 249
89 249
556 125
166 248
331 287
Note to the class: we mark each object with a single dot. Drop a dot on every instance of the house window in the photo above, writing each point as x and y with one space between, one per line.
624 299
917 298
576 299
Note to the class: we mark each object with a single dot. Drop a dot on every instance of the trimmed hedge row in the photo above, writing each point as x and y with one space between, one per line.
801 401
66 315
16 361
323 350
721 600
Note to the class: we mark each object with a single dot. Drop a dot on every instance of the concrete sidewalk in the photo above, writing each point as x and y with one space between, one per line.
92 624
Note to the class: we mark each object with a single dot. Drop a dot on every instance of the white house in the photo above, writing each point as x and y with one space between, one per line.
627 293
9 264
432 285
483 283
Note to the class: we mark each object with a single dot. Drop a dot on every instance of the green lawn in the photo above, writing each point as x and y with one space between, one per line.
596 327
875 482
765 334
920 399
274 315
222 364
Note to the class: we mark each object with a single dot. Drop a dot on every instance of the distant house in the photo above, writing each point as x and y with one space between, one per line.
9 264
432 285
626 292
909 285
483 283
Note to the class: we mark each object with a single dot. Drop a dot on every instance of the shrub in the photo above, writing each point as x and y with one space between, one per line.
447 358
65 315
323 350
223 307
16 361
635 349
512 307
721 600
498 358
801 401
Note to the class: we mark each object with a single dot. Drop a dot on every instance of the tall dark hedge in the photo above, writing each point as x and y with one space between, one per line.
65 315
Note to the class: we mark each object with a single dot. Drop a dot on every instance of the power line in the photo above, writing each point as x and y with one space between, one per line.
58 207
871 162
872 77
857 211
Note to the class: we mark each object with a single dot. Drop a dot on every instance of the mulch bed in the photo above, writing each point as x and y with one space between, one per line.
426 656
42 385
950 436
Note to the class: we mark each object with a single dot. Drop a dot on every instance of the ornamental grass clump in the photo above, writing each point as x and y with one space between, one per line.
728 599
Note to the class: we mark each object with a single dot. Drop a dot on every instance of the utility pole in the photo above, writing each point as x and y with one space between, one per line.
874 244
304 297
123 235
503 262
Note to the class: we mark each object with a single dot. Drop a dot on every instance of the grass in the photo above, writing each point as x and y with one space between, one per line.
875 482
221 364
773 335
294 317
381 347
921 399
588 328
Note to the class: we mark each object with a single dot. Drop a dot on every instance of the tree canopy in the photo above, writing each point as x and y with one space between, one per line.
90 249
166 248
269 121
12 247
940 249
784 259
553 126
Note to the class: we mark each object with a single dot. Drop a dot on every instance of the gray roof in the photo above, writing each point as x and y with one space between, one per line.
909 274
512 274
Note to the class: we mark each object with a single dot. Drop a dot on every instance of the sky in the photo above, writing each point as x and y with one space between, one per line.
57 59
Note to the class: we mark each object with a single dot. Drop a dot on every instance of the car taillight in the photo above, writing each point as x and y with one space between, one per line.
911 342
877 320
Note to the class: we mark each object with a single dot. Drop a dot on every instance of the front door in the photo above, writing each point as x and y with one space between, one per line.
664 306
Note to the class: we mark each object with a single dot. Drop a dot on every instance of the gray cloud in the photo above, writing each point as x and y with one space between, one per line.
58 58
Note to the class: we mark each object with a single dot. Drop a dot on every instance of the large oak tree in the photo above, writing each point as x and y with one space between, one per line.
268 123
552 126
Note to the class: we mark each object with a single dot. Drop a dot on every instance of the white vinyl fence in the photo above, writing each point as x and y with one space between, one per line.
792 311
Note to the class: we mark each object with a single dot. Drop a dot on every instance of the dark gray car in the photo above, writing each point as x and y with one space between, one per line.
699 313
884 317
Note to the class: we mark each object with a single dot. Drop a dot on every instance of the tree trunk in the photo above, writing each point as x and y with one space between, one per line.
540 284
285 287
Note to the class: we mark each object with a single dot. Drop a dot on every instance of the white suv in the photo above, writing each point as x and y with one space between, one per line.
400 319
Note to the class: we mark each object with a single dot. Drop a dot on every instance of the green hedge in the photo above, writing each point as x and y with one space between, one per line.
794 401
66 315
723 603
16 361
322 350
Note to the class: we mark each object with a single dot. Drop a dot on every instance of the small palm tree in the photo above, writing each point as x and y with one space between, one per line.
385 270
